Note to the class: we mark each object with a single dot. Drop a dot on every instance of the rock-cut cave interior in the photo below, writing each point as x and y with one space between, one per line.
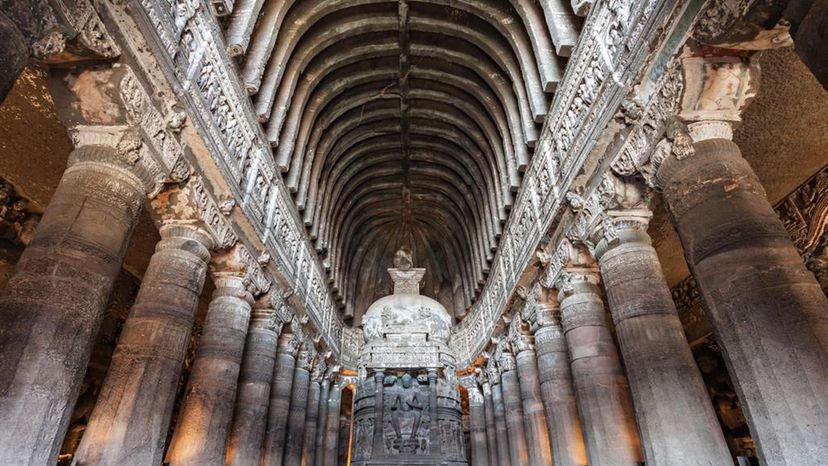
413 232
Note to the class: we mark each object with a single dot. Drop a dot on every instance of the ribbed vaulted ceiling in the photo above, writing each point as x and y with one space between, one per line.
402 124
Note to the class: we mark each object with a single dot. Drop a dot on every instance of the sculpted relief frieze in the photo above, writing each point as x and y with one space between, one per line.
193 60
606 62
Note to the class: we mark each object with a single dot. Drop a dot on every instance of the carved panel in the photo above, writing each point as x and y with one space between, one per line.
189 35
604 64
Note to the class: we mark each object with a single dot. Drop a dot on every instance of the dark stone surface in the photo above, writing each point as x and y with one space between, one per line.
601 388
557 391
132 413
660 368
279 406
203 427
52 307
767 310
255 379
534 415
513 406
296 417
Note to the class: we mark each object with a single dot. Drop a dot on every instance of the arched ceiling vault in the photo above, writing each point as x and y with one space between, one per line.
402 123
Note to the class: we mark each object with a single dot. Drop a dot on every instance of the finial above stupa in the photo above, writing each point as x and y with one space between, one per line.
406 278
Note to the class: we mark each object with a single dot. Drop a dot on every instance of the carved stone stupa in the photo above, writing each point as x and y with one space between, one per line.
406 380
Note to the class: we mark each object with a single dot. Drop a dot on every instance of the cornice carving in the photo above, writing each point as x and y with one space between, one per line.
609 48
194 62
717 88
61 21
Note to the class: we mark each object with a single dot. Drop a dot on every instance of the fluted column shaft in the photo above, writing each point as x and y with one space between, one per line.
279 406
132 414
662 373
513 404
255 379
557 391
503 451
534 416
331 446
298 411
203 428
52 306
311 422
601 389
768 312
477 426
325 393
491 432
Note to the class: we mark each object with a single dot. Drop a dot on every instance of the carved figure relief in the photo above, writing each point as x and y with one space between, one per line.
407 405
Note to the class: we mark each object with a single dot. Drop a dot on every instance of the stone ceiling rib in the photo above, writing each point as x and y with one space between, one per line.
400 124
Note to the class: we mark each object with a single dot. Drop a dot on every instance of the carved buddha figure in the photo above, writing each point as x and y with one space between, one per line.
406 409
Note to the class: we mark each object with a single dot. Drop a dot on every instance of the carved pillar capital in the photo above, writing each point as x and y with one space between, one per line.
475 395
319 369
626 216
270 312
124 158
549 310
187 236
571 263
522 342
239 261
717 88
305 359
289 343
715 92
492 372
575 276
233 285
507 361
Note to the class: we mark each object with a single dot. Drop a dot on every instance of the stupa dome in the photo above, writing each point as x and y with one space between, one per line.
406 314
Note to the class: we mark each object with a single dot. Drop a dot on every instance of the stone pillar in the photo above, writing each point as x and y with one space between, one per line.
534 416
255 379
319 454
431 374
298 408
601 389
662 373
379 400
518 449
768 312
502 434
312 416
331 447
203 428
477 424
556 385
132 414
52 305
345 439
491 432
279 406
